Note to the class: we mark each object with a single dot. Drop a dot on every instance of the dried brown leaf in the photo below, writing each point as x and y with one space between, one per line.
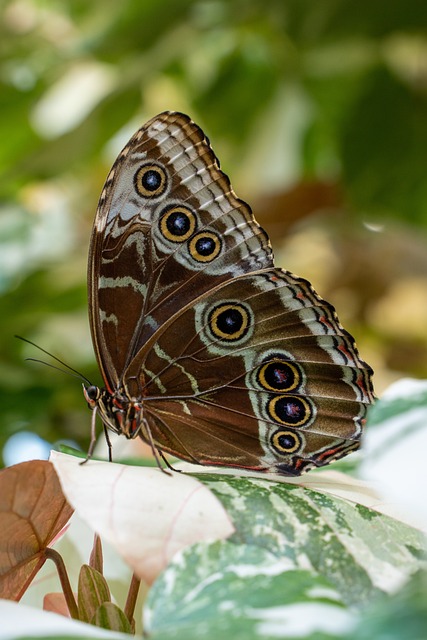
33 510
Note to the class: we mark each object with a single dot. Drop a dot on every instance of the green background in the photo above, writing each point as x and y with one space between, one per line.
317 111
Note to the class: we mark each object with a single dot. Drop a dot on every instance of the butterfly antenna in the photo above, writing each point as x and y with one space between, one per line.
71 371
52 366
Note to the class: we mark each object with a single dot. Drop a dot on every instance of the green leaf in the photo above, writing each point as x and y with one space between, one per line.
396 434
300 564
93 591
361 552
96 556
241 592
400 398
403 615
109 616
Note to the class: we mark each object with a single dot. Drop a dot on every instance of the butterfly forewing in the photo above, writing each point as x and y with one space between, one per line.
153 251
224 358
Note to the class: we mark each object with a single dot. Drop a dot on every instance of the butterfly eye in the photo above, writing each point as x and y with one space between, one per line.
204 247
177 223
290 410
286 441
279 376
150 181
229 322
92 393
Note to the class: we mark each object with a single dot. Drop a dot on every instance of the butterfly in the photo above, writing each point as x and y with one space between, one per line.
208 351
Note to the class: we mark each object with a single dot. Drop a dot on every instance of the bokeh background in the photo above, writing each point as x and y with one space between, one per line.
317 111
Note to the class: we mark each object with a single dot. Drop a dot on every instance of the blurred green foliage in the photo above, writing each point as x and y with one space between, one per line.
346 79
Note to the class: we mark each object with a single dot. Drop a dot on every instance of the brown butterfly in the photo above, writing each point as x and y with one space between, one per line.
207 350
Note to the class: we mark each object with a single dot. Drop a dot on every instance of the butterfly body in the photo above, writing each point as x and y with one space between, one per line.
208 351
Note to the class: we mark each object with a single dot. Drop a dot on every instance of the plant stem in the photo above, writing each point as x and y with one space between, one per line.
65 583
132 596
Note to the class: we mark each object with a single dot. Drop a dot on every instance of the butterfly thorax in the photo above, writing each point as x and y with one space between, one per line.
118 412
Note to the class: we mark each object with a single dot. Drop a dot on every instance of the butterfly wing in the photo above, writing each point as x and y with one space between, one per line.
236 362
168 228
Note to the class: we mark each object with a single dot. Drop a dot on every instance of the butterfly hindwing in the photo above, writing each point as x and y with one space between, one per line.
261 360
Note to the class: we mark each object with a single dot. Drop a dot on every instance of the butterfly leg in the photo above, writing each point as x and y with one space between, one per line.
109 445
167 463
156 452
93 437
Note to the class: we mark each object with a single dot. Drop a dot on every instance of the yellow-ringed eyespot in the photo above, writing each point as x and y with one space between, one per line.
204 246
177 223
229 321
150 180
293 411
286 441
279 375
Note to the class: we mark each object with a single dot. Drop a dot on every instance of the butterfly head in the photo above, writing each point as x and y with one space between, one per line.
117 411
92 395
